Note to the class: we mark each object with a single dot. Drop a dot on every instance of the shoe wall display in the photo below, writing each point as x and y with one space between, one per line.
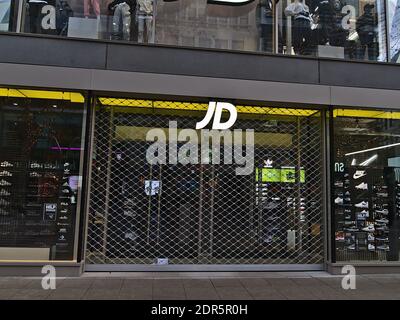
364 199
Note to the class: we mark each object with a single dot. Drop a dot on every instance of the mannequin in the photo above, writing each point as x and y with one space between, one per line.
145 15
123 11
338 35
35 15
64 12
301 26
366 29
94 4
264 12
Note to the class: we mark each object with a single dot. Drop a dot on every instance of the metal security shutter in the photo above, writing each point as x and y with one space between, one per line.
205 214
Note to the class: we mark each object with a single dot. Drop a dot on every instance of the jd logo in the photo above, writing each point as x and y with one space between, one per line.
215 108
49 278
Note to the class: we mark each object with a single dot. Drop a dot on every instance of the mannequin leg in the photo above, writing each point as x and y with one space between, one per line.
149 29
126 21
96 7
116 22
86 8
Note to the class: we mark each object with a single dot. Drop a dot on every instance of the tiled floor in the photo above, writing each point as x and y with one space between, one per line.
201 286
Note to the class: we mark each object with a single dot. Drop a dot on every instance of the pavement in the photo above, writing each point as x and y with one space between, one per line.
204 286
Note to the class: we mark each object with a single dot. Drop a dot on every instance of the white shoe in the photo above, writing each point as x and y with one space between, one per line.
339 200
5 174
383 211
362 186
6 164
384 220
371 247
362 204
358 174
4 183
370 228
371 237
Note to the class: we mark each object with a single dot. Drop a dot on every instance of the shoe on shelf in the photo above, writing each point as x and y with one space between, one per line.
362 204
339 200
370 228
371 247
362 186
359 173
383 220
6 164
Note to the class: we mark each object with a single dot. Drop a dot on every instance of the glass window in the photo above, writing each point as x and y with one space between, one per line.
40 179
366 184
394 30
5 15
346 29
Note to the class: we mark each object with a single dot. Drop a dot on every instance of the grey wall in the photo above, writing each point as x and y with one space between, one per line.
27 60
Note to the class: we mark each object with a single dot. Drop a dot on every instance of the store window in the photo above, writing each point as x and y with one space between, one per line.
41 146
202 211
366 184
5 15
345 29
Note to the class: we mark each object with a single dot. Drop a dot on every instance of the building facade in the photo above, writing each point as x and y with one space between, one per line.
306 178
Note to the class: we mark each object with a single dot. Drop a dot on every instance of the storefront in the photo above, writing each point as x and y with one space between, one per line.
195 211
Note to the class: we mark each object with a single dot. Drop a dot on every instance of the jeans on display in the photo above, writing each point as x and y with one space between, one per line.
145 28
367 42
301 33
95 7
122 21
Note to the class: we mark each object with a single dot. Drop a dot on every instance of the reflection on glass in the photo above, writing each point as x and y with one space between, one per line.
5 8
366 185
394 30
40 151
349 29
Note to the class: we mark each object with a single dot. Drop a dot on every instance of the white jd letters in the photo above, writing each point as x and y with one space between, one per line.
215 108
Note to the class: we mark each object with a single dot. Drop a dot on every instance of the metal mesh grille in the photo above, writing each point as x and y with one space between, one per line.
205 214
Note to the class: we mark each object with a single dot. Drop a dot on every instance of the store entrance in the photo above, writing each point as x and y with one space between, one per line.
175 216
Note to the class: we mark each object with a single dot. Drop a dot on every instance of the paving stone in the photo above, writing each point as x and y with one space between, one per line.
102 294
15 283
7 294
201 293
226 293
107 284
67 294
31 294
227 283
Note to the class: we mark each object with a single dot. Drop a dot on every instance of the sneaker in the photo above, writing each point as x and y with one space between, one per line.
351 229
5 173
4 192
358 174
370 228
4 183
6 164
35 165
384 247
66 184
382 194
35 175
352 247
338 184
371 247
362 186
382 239
339 200
383 211
64 204
63 218
371 237
383 220
362 204
64 211
65 191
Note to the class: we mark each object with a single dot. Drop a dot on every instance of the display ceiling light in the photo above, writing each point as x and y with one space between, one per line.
189 106
374 114
42 94
373 149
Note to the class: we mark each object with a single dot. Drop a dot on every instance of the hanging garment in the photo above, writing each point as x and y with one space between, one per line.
145 6
122 21
94 4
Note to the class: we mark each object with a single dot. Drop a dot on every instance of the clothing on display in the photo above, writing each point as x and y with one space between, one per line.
94 5
121 19
366 28
63 12
301 26
145 17
265 15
